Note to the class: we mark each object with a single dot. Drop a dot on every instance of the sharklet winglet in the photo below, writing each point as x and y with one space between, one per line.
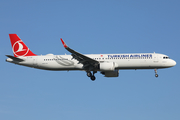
64 44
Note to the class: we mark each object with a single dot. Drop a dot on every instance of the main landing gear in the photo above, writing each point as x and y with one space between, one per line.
89 74
156 75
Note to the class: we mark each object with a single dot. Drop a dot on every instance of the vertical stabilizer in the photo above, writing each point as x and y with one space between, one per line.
18 46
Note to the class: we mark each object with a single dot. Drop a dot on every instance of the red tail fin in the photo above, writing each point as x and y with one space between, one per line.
18 47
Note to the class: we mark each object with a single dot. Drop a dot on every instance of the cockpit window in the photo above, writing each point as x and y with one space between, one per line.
165 57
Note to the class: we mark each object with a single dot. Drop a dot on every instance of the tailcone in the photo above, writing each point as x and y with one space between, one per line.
9 60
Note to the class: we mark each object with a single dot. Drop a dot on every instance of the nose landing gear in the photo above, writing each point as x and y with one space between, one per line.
89 74
156 75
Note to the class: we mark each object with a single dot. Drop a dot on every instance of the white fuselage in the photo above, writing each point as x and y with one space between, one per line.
122 61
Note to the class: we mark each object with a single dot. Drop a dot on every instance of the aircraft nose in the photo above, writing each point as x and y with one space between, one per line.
173 63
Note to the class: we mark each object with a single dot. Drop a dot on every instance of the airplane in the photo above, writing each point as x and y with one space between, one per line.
107 64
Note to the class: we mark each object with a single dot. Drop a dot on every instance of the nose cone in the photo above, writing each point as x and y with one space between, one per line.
173 63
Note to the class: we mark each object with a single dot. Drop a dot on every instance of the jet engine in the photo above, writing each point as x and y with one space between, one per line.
107 66
111 73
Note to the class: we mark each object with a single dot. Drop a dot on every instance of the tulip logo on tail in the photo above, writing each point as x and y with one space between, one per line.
20 49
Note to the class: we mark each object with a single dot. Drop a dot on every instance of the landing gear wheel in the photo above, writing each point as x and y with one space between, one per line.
156 75
93 78
89 74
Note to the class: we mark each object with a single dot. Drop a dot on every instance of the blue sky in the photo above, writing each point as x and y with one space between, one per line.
96 26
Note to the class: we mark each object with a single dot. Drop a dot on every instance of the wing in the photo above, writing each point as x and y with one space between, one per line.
88 63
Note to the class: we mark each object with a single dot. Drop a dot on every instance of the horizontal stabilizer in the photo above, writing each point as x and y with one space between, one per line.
15 58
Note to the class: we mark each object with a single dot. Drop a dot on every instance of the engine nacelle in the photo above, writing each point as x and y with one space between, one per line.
107 66
111 73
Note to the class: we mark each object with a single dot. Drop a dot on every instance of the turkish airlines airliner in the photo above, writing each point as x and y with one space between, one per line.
107 64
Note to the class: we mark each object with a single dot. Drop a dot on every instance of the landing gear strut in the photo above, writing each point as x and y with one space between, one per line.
156 75
89 74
